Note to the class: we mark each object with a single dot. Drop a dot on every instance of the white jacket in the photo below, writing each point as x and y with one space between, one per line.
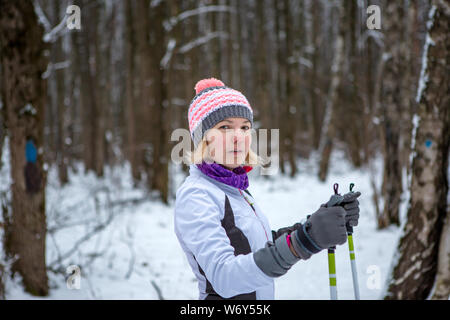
212 221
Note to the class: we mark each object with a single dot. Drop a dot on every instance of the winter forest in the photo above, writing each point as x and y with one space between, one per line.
92 90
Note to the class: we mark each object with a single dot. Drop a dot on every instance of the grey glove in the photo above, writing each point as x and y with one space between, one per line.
323 229
327 227
351 206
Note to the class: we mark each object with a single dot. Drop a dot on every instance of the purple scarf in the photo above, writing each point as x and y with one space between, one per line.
237 178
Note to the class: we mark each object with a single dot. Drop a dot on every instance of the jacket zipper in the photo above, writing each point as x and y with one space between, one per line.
254 211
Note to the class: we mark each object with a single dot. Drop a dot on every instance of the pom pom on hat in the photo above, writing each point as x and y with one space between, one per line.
207 83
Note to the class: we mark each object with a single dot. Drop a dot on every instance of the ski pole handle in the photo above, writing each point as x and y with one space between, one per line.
349 228
347 225
336 198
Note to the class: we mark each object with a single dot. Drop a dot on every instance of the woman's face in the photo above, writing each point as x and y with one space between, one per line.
229 142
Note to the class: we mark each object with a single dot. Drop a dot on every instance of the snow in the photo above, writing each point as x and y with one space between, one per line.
376 35
55 66
169 24
202 40
54 33
28 108
423 79
51 34
168 55
42 18
412 155
134 254
373 248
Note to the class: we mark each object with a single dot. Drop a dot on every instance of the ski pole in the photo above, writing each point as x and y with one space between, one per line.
335 199
351 250
332 273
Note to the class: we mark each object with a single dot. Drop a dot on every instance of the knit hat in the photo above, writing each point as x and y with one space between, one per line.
213 103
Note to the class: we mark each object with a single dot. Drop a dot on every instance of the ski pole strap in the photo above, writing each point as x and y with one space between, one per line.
304 239
336 188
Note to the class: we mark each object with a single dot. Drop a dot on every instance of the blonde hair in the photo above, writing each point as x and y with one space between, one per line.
201 153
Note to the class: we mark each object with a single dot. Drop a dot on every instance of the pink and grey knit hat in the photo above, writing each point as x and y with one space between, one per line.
213 103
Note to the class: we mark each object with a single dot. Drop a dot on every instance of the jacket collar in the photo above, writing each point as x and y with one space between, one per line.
195 171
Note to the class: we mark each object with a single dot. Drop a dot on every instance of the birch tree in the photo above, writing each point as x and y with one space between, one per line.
424 247
392 104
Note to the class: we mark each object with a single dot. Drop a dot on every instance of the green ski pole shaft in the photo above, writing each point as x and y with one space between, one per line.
351 249
336 198
332 273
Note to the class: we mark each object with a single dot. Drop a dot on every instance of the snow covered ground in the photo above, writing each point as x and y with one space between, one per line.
128 250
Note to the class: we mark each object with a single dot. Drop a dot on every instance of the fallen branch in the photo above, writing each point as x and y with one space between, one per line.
157 289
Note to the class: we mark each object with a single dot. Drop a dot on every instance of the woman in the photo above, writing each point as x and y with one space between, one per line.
226 237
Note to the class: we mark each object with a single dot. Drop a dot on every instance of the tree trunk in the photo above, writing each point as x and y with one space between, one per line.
280 101
130 49
74 116
392 105
414 275
316 107
328 127
23 62
2 124
262 71
59 56
158 180
144 103
290 89
89 89
442 287
234 62
223 43
97 73
351 84
108 52
2 285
